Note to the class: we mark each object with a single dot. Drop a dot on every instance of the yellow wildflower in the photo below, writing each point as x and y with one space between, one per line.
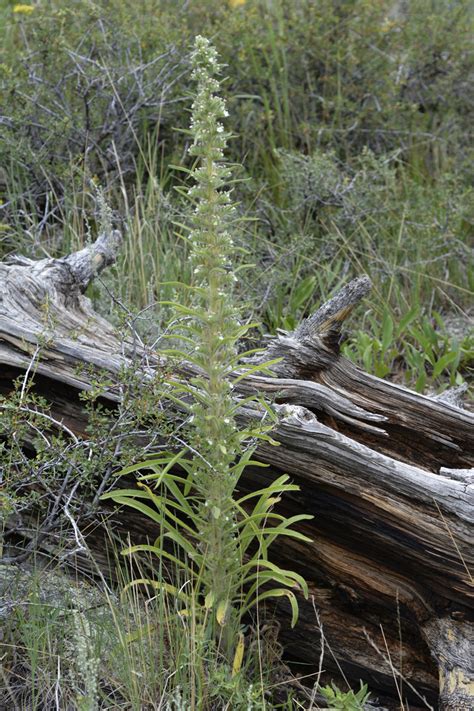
388 25
236 3
23 9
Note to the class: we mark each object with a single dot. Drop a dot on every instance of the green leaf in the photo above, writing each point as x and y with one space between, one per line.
161 505
303 292
143 508
443 363
367 357
133 493
239 655
407 319
185 310
158 585
169 463
387 331
278 592
245 354
209 600
221 612
158 551
278 486
381 369
259 368
285 529
266 573
420 383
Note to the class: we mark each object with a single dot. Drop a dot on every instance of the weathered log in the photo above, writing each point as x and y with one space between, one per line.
387 474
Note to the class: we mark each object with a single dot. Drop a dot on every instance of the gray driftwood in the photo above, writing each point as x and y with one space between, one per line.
387 473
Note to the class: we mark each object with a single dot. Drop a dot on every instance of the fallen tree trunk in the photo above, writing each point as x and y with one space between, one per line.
387 473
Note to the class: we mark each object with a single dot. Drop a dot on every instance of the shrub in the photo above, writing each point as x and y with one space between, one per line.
81 92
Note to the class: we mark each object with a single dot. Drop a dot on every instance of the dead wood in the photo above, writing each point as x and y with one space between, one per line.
387 473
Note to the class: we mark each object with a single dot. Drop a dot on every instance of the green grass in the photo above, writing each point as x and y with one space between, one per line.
82 646
351 125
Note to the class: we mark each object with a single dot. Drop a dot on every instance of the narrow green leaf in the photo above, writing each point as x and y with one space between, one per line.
158 551
158 585
443 363
387 331
278 592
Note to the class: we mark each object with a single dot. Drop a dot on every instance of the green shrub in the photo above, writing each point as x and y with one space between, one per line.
82 92
92 81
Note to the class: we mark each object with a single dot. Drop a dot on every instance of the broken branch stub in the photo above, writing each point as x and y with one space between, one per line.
314 345
326 322
43 302
75 271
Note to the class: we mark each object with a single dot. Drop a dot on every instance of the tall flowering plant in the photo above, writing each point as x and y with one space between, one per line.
215 329
220 540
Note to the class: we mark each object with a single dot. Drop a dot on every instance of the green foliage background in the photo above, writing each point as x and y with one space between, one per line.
351 121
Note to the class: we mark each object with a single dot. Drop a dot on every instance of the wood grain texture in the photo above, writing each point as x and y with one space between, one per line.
387 473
